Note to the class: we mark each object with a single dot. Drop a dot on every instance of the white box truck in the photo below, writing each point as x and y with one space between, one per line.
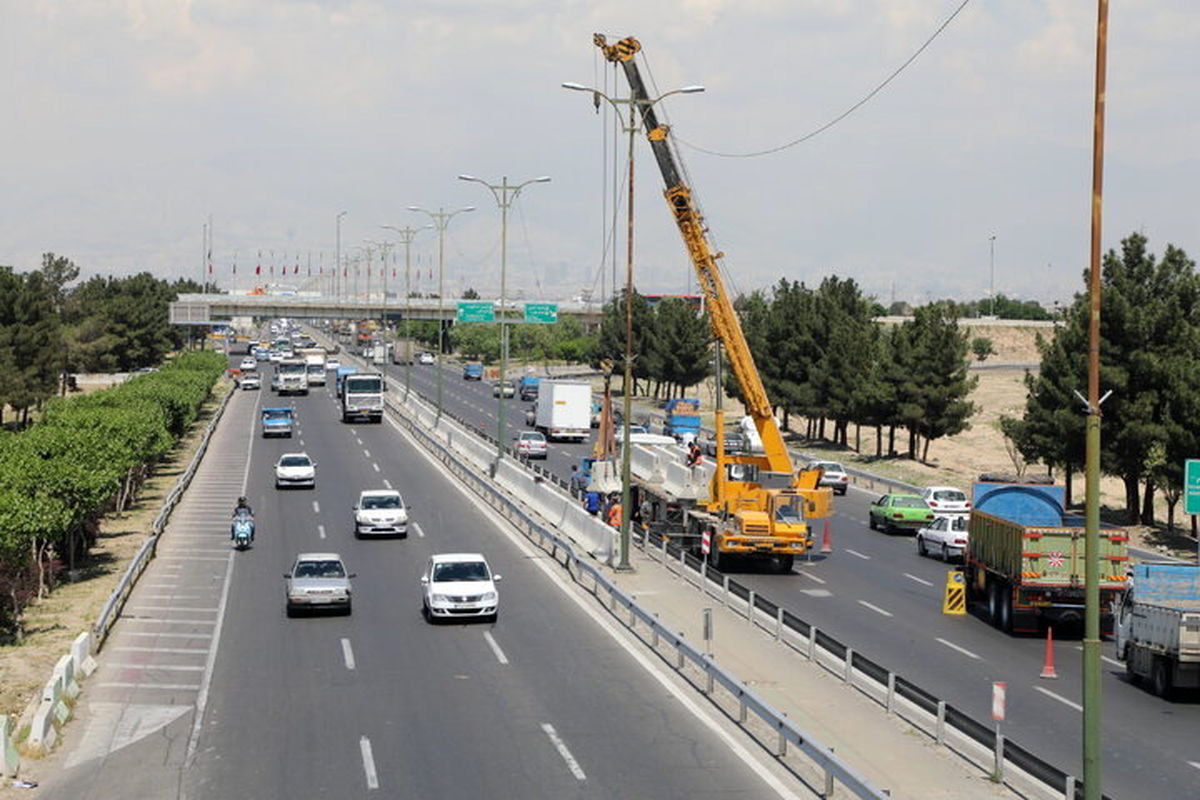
314 360
564 410
362 397
1158 626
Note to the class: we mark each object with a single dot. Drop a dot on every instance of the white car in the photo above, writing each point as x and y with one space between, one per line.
248 364
459 586
318 582
833 475
946 536
531 444
275 356
295 469
250 381
426 358
946 500
331 364
380 512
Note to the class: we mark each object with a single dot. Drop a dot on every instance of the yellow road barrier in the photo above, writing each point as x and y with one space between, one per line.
955 601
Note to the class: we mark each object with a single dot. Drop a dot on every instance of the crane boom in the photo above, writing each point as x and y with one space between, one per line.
726 325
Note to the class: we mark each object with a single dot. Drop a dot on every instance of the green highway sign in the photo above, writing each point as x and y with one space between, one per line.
544 313
1191 486
476 312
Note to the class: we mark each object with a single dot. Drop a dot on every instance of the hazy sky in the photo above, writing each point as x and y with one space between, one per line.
129 122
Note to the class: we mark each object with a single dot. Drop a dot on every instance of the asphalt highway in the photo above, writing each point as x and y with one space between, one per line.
382 704
878 596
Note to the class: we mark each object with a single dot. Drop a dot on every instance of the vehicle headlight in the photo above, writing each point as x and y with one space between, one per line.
439 598
488 597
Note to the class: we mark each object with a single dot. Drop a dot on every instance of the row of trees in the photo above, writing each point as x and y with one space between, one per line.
48 330
88 455
1149 360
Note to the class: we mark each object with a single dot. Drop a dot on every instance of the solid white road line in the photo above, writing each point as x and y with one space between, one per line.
347 654
503 659
856 553
316 507
876 608
962 650
364 744
206 678
918 580
321 531
1113 662
561 747
651 668
417 528
1059 698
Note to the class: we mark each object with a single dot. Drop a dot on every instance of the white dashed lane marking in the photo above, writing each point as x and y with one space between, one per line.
962 650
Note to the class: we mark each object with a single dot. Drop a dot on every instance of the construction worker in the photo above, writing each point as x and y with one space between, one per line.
614 514
591 501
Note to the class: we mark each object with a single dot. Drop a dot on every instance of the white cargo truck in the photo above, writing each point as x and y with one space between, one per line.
1158 627
362 397
291 377
564 410
314 360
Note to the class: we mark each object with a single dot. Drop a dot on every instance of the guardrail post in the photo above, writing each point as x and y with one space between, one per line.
663 541
891 692
1069 789
750 608
709 675
941 722
998 761
703 576
781 750
741 707
654 632
683 564
778 623
678 656
725 591
828 780
847 674
812 643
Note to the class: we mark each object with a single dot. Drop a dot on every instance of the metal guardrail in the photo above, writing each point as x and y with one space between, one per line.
116 601
788 733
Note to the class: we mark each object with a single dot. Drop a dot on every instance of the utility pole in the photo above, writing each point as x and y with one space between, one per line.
992 265
1091 634
337 259
406 238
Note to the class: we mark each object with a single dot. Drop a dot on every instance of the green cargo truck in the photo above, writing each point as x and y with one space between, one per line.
1025 556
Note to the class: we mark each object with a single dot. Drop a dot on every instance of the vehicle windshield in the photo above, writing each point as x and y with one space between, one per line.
242 512
950 496
830 466
460 571
365 386
295 461
320 569
909 502
381 501
789 510
277 413
532 437
290 369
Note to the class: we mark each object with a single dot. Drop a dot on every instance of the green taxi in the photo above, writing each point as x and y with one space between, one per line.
900 512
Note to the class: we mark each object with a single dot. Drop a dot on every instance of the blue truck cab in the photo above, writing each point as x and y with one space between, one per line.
277 422
342 372
683 418
528 387
472 372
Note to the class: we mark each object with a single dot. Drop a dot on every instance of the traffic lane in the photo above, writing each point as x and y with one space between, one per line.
547 641
542 769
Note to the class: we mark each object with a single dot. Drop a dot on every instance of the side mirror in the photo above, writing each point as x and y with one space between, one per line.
424 580
497 578
354 508
352 575
287 574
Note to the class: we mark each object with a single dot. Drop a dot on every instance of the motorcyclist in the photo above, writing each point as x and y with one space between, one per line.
242 507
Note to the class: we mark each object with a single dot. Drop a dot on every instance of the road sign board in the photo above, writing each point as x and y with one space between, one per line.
476 312
1191 486
544 313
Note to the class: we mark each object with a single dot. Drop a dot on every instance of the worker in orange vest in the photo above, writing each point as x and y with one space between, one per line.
614 514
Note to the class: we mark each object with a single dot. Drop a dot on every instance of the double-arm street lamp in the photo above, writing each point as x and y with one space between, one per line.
505 193
406 238
631 128
441 218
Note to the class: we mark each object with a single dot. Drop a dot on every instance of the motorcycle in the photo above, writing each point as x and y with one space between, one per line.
243 530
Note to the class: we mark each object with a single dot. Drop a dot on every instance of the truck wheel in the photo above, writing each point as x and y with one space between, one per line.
1130 673
1005 623
871 522
993 602
784 563
1160 678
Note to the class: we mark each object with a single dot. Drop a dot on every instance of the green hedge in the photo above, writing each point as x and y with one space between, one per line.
60 476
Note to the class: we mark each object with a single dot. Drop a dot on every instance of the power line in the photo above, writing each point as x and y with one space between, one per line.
845 113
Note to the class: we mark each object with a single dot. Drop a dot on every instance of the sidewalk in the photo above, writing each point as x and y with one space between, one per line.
889 751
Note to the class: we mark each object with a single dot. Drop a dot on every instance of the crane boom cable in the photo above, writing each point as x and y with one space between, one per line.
866 99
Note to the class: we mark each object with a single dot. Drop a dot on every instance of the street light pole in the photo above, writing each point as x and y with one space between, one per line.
337 259
505 194
441 219
627 378
992 265
406 238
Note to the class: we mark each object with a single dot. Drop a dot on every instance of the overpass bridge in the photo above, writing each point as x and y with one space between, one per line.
218 309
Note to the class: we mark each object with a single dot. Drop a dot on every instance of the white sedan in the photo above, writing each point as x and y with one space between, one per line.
946 500
426 358
459 585
380 512
248 364
945 536
295 469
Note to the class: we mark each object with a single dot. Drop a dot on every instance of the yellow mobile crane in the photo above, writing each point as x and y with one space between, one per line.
757 504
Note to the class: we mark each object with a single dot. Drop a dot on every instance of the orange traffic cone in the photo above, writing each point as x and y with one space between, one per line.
826 547
1048 671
